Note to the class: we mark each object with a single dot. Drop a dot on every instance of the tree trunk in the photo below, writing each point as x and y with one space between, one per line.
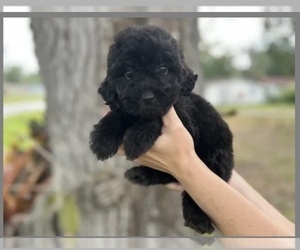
72 59
189 39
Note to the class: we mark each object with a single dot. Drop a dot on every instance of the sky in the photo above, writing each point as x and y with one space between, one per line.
234 35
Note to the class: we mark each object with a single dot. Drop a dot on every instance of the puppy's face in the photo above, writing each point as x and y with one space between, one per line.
145 73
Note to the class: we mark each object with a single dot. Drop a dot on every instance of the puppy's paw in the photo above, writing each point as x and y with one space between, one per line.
133 148
200 224
103 145
138 175
106 136
194 216
140 138
203 240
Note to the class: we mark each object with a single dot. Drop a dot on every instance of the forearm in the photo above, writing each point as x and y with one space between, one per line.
232 214
239 184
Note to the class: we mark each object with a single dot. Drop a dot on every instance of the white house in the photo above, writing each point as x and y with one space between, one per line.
235 91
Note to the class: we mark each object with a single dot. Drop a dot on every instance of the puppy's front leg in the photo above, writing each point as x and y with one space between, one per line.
194 216
141 137
146 176
106 136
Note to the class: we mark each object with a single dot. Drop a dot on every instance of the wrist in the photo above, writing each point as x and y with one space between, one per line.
186 165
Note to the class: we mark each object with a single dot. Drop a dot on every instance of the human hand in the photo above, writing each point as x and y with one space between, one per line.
172 150
175 187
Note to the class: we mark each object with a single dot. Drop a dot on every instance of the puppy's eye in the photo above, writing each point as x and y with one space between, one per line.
129 75
163 69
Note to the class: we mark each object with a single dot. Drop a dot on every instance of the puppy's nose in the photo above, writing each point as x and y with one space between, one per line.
148 97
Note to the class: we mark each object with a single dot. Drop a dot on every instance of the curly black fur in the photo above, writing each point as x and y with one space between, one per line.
146 75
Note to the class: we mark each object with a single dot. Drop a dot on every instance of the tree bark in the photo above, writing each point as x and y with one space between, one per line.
72 58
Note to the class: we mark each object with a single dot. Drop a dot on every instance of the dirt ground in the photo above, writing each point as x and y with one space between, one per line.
265 156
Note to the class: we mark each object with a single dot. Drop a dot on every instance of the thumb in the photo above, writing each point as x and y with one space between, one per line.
171 119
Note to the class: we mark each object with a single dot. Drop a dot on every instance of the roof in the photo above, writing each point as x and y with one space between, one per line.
280 80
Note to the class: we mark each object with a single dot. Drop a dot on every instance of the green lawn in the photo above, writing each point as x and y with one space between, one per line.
17 98
278 110
265 107
16 127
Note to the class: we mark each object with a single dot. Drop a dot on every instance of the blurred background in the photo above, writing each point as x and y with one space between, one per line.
53 185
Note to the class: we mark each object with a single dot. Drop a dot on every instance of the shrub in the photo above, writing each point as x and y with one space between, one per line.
287 96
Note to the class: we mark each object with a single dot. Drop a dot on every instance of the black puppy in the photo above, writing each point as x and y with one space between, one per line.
146 75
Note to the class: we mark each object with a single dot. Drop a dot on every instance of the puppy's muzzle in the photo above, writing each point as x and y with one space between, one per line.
148 97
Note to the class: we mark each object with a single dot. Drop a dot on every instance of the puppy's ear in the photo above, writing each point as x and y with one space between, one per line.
188 81
108 95
103 90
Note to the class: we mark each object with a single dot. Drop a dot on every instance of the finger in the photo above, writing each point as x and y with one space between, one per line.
175 187
106 113
171 119
121 150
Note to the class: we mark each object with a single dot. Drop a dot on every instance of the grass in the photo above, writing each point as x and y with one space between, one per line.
264 148
264 106
272 111
278 108
21 98
16 127
265 156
